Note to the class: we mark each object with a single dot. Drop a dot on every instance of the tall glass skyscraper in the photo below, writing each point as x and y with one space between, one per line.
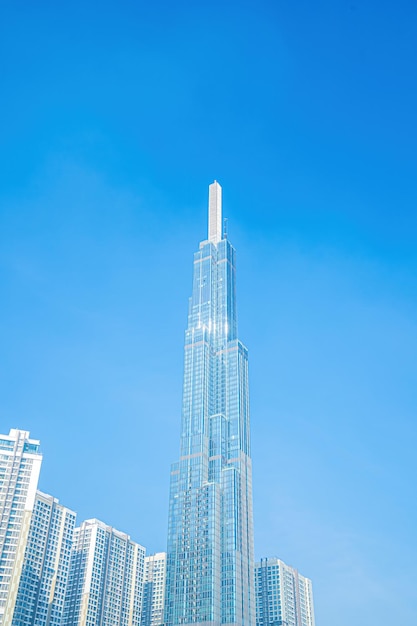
210 565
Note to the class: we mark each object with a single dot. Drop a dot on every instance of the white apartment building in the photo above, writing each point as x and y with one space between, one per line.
20 464
44 577
283 596
106 578
154 590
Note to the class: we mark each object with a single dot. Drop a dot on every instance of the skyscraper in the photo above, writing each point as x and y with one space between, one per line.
283 596
106 578
154 590
44 577
210 533
20 464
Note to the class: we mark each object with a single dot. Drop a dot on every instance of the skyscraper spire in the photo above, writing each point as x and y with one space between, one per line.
215 212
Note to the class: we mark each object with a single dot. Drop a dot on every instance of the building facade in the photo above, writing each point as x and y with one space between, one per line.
210 532
44 577
106 578
283 596
20 464
154 590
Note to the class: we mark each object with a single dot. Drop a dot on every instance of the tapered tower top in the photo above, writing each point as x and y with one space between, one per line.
215 212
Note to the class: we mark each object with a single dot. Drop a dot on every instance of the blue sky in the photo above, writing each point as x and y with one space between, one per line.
115 117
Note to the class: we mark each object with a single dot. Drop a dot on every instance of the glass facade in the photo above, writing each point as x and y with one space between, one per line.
210 532
284 597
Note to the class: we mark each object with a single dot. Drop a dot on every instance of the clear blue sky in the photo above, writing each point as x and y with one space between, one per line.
115 117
